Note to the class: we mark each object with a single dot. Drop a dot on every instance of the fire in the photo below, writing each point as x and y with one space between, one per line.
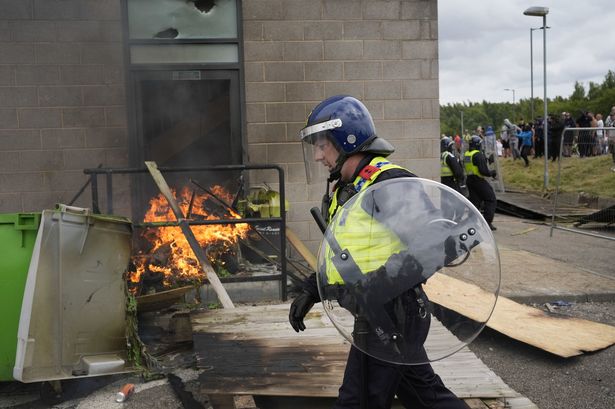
170 253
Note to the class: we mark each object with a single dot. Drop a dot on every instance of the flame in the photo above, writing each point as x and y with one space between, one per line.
170 252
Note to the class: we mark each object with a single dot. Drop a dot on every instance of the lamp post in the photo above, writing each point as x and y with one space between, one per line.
542 12
532 70
513 92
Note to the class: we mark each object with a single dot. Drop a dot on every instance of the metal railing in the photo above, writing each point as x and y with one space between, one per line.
584 143
94 173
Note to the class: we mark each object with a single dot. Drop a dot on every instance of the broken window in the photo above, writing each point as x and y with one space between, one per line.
182 19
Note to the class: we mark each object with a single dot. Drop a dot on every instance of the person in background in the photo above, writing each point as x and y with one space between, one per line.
505 143
599 135
568 136
610 122
539 142
556 127
585 135
490 139
525 140
458 144
451 169
512 138
481 192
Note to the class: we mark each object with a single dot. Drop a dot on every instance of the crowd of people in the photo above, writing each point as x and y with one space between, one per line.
524 140
587 137
465 160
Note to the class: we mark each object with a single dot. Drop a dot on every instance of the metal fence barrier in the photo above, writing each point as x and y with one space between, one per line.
584 143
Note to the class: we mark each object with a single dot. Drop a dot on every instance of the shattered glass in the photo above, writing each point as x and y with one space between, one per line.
182 19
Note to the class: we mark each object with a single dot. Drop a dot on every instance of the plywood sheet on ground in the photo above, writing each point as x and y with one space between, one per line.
253 350
560 335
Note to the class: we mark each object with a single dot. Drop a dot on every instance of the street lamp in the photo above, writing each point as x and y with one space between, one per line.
513 91
542 12
532 70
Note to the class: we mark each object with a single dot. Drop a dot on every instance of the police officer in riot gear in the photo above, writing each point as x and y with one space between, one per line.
481 192
451 170
340 136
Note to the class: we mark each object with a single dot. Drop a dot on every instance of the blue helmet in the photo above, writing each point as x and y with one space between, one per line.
476 143
446 144
348 124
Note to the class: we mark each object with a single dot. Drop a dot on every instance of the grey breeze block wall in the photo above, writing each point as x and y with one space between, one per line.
299 52
62 92
62 99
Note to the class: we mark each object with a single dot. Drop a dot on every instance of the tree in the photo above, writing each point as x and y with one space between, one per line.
599 98
579 92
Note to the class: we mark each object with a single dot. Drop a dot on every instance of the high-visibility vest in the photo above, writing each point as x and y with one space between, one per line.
468 164
368 241
445 170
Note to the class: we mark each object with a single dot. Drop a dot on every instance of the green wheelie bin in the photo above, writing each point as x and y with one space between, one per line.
17 236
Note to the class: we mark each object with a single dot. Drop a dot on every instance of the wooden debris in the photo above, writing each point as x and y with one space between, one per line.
253 350
161 300
301 248
559 335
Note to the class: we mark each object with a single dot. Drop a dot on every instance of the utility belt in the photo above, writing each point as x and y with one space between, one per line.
340 293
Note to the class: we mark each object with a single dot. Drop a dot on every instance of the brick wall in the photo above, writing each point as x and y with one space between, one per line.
300 52
62 103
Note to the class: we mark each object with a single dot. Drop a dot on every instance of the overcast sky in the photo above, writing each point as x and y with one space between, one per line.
484 47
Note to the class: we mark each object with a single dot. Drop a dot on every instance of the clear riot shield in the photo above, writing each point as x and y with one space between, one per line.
408 271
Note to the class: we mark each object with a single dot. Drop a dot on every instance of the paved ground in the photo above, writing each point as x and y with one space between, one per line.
584 382
577 270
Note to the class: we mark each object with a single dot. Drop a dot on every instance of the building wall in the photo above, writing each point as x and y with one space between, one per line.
62 103
300 52
62 92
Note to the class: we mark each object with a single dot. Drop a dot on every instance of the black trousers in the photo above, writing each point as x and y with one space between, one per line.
525 150
416 386
481 192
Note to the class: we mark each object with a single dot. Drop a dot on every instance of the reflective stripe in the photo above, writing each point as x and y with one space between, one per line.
360 183
323 126
468 164
369 242
445 170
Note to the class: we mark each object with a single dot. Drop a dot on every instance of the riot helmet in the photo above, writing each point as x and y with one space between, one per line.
341 122
446 144
476 143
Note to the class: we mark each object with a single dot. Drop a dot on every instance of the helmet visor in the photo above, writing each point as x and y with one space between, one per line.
320 156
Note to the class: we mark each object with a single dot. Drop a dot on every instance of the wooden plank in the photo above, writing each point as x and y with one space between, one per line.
301 248
475 404
198 251
559 335
268 358
161 300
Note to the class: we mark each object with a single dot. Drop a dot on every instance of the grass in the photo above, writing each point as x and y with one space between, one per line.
591 175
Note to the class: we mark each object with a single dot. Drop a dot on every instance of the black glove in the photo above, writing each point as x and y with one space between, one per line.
299 309
491 158
494 174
